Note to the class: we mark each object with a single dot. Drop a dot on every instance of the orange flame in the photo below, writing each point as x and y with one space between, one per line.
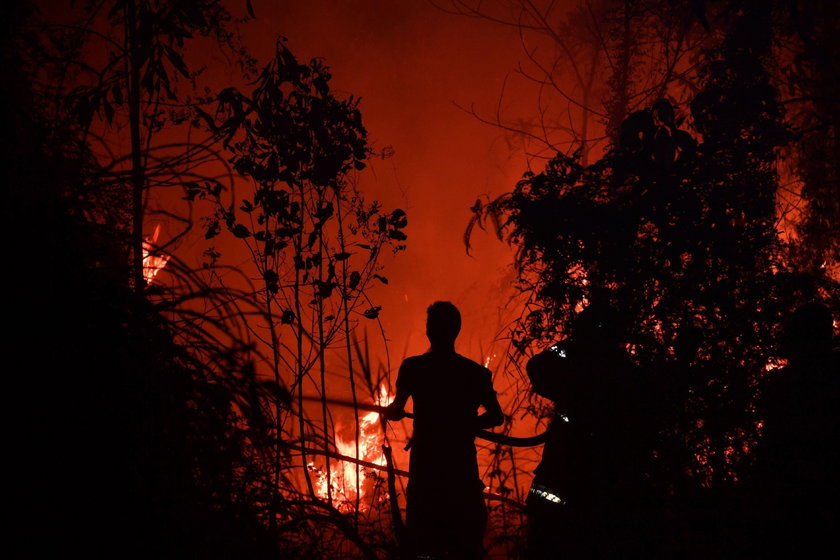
775 363
152 263
343 476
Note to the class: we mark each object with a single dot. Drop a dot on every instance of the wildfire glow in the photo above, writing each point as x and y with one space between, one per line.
774 363
488 360
343 474
152 263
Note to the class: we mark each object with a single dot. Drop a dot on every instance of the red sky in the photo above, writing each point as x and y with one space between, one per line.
411 63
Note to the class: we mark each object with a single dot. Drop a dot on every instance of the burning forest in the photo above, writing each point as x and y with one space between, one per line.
426 280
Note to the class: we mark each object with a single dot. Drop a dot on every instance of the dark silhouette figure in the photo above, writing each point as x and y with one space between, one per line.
799 453
589 497
558 505
445 514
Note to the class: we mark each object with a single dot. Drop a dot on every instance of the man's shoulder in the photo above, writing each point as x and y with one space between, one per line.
430 359
473 366
415 359
466 362
413 362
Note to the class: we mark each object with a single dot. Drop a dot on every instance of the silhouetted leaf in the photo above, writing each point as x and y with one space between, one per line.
398 219
325 289
109 111
191 190
272 280
177 61
212 229
281 394
325 212
241 231
373 312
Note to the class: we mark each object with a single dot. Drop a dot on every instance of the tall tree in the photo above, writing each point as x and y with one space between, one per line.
122 63
808 68
314 240
592 63
675 226
150 435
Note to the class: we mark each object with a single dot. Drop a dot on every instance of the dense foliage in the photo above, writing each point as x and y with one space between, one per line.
675 228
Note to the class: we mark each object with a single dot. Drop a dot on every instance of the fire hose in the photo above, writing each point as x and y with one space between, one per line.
494 437
501 439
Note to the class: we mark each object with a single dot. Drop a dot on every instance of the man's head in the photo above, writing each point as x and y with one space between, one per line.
545 371
443 323
554 377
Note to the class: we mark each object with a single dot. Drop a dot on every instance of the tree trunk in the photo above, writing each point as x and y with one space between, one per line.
137 171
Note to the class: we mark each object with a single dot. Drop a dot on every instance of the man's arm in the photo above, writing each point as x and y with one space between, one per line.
396 410
493 415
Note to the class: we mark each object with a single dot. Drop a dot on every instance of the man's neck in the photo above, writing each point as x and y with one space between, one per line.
443 348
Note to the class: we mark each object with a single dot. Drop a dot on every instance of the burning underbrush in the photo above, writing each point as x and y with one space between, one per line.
361 484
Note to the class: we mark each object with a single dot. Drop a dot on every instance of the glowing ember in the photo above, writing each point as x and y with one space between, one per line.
488 360
152 263
343 474
775 363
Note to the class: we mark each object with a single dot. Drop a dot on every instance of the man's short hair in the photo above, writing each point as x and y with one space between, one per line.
444 318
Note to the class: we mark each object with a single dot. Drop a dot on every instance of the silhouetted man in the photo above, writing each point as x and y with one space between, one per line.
590 496
799 452
561 496
445 513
